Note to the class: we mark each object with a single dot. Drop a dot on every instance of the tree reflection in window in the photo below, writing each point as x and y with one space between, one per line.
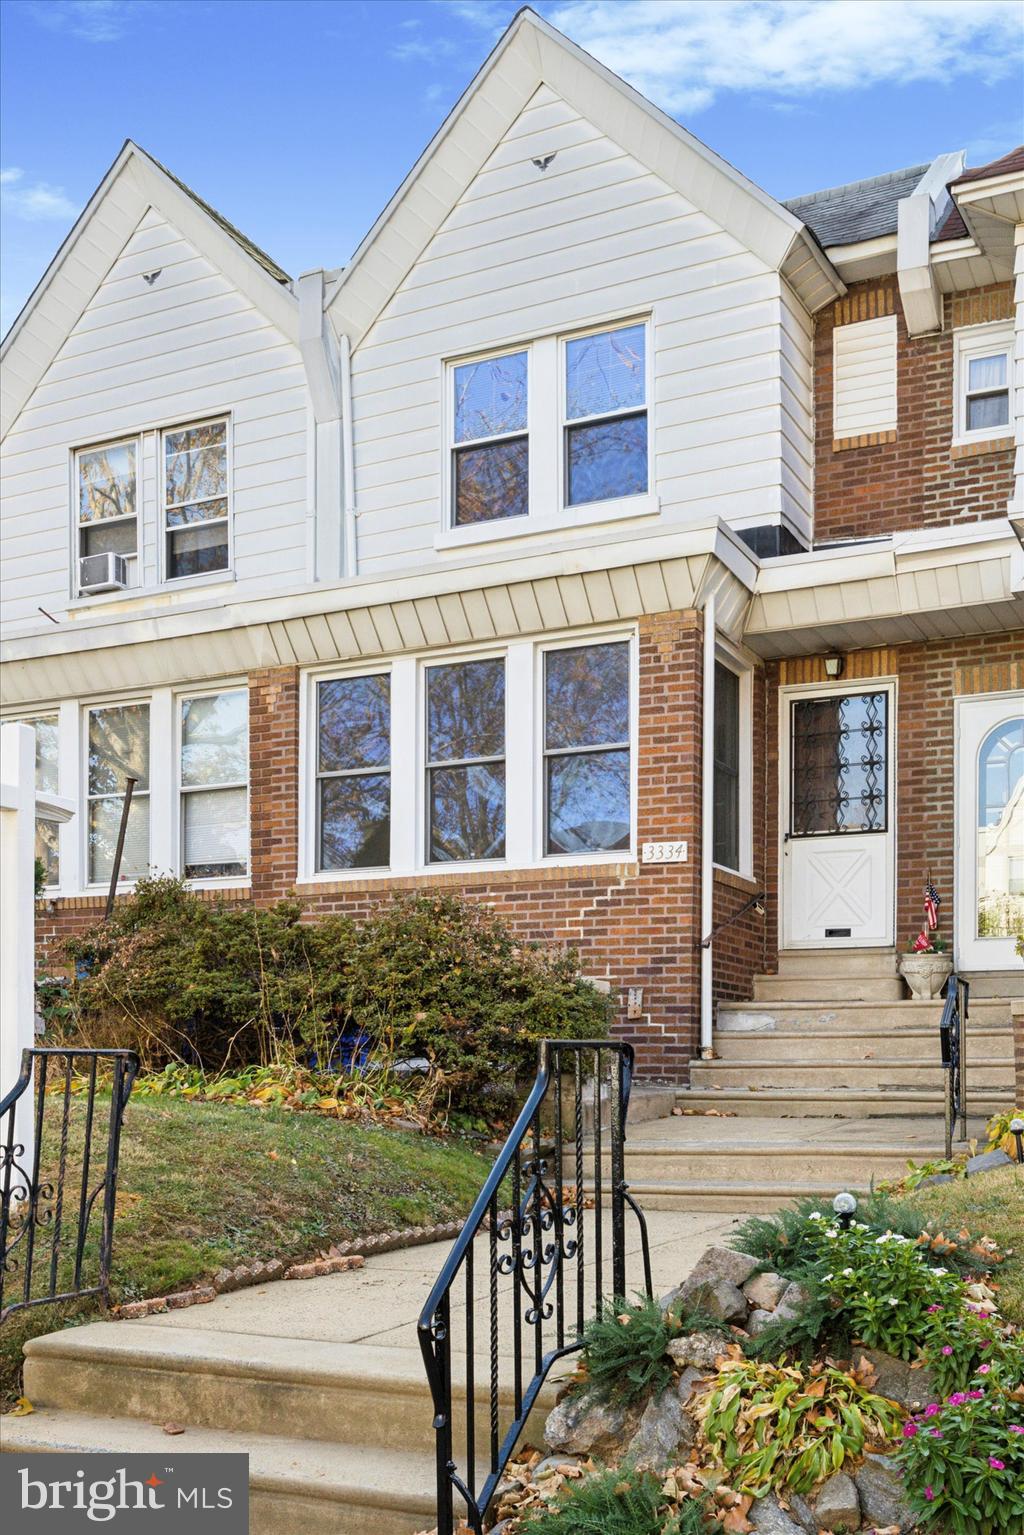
490 465
354 773
466 760
586 748
1000 831
606 435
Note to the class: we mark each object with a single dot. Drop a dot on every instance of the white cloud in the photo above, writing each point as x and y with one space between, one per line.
93 21
33 200
685 53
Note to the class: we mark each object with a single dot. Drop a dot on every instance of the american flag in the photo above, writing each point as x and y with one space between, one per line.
931 906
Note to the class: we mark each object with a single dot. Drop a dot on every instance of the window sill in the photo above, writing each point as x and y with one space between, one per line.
734 881
558 867
593 512
974 447
142 594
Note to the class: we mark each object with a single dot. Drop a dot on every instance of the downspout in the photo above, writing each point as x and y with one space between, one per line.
348 463
707 829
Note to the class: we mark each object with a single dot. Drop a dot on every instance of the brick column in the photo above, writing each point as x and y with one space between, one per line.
274 782
1017 1015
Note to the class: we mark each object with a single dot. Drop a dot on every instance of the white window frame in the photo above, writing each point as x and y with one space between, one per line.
163 563
971 342
731 658
524 759
312 714
215 881
433 663
88 884
39 716
135 561
548 508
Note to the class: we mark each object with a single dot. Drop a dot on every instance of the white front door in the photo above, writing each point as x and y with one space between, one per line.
838 816
989 912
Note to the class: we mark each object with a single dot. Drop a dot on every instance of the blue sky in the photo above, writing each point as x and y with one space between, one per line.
297 118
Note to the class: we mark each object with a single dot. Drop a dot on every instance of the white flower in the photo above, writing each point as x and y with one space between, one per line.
832 1232
893 1301
827 1277
815 1215
940 1272
848 1273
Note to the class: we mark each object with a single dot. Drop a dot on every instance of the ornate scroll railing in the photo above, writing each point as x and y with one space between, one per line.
525 1280
57 1202
952 1027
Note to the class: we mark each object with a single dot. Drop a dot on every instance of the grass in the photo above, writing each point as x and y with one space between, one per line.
208 1186
992 1203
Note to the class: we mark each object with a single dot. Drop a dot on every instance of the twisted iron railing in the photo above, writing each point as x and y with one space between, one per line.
952 1026
547 1264
53 1245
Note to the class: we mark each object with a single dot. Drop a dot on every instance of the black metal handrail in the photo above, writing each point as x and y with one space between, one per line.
756 902
952 1026
542 1272
34 1213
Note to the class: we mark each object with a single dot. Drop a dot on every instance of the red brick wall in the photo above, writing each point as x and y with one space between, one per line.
634 925
918 479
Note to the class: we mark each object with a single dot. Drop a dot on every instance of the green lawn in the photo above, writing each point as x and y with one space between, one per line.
991 1205
205 1186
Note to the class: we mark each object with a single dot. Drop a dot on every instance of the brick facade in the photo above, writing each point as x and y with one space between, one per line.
913 478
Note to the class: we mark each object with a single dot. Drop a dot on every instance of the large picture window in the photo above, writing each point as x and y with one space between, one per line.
107 511
606 417
466 760
586 748
490 453
118 749
215 785
196 499
353 773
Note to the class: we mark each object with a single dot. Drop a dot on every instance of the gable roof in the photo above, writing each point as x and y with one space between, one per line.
134 183
530 53
1012 161
858 210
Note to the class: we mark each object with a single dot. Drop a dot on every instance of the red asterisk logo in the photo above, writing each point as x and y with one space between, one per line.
154 1481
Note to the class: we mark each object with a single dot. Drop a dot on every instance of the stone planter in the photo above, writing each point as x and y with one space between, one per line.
925 974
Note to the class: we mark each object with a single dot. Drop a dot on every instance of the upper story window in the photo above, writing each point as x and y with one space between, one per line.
353 773
606 416
586 748
982 373
118 737
107 516
47 778
214 785
466 760
196 499
491 451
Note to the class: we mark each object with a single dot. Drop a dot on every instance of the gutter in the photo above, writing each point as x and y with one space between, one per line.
918 216
707 830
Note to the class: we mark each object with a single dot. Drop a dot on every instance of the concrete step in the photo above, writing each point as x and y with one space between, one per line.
755 1198
842 1043
842 1165
304 1487
837 1103
826 986
763 1017
835 962
348 1393
880 1074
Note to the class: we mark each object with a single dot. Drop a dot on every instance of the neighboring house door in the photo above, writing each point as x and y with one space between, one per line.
838 821
990 831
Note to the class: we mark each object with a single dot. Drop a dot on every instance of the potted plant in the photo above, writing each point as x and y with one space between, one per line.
925 966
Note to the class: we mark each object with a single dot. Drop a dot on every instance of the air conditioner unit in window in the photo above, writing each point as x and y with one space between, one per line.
102 573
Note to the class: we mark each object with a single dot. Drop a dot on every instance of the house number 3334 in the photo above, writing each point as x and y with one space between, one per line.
663 852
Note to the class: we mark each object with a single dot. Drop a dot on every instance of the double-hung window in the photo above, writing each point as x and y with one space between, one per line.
606 415
983 370
118 737
490 455
587 748
196 499
46 783
466 760
107 514
353 773
215 785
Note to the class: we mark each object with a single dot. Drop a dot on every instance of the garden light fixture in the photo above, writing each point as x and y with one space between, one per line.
845 1206
1017 1131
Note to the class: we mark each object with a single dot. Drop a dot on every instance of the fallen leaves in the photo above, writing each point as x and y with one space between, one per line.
21 1408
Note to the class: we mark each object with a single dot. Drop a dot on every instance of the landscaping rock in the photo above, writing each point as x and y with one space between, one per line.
273 1270
794 1299
224 1280
699 1348
895 1379
769 1518
765 1291
935 1178
242 1276
837 1506
757 1321
880 1489
582 1425
720 1298
663 1429
721 1263
552 1463
688 1382
987 1162
801 1510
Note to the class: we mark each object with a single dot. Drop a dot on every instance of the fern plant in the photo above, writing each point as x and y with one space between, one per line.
624 1357
623 1502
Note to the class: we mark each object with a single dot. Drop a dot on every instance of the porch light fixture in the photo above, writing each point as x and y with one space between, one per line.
845 1206
834 666
1017 1131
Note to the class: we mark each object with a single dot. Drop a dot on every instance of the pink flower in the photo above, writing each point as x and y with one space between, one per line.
983 1369
934 1308
936 1433
997 1465
975 1396
929 1494
984 1315
957 1399
1016 1428
932 1410
909 1430
947 1350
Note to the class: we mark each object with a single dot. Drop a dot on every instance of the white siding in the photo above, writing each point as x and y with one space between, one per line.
526 254
864 377
797 379
187 347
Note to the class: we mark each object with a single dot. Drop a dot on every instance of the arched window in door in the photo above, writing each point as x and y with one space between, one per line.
1000 831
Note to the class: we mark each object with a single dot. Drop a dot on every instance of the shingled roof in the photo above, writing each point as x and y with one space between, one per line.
860 210
260 256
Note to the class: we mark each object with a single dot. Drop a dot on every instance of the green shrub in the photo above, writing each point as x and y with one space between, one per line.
623 1502
962 1340
884 1287
963 1462
624 1357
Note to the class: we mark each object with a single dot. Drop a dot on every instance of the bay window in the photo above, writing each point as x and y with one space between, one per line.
490 449
118 749
195 499
605 415
214 785
107 511
466 760
353 773
587 748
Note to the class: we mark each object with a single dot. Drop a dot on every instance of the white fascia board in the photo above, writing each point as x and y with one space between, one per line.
886 557
864 258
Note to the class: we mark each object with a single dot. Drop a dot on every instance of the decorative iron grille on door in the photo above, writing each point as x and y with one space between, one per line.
839 764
